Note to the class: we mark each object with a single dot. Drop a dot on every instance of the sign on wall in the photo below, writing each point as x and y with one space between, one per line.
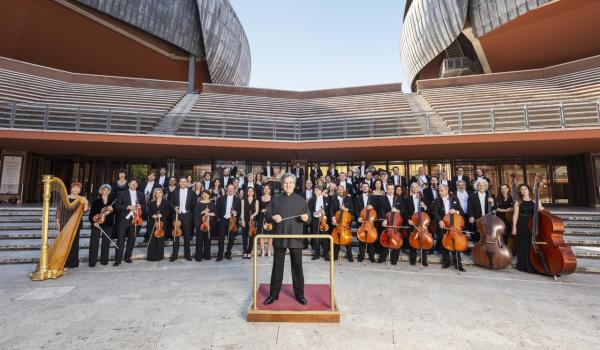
10 178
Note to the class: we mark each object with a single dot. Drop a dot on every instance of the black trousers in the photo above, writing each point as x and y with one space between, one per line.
246 241
202 244
223 226
394 255
187 228
336 251
95 237
317 243
412 256
277 273
126 232
370 249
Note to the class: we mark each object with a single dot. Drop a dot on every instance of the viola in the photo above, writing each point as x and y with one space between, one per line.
549 254
367 233
233 226
159 230
100 218
137 215
177 226
205 225
391 238
252 228
420 238
490 251
454 239
323 226
341 233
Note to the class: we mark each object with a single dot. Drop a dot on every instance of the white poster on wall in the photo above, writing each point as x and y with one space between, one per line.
10 180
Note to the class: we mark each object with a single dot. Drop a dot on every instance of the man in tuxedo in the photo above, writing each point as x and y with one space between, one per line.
362 170
315 172
332 172
298 171
183 201
460 175
364 201
206 182
308 192
346 184
479 175
233 170
443 180
431 193
446 204
127 203
421 178
268 171
390 203
344 202
369 179
318 206
287 205
227 179
412 203
384 177
481 202
162 178
228 208
396 179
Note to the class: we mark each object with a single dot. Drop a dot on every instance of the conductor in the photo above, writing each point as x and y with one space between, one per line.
289 212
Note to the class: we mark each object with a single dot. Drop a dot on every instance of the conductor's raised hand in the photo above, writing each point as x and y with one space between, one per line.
304 217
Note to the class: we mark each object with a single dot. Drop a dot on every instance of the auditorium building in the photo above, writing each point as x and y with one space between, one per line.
88 87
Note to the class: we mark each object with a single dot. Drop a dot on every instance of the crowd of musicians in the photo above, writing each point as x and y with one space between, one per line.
214 206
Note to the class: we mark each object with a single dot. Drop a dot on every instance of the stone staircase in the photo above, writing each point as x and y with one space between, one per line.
20 235
171 122
421 107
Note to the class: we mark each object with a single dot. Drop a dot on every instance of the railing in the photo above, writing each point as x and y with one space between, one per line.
503 118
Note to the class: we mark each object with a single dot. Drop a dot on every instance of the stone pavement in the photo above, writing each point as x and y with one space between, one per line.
190 305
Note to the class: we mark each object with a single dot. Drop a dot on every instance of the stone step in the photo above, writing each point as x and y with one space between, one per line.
582 224
588 241
586 252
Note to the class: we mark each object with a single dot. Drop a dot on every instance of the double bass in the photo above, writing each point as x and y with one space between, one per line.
341 233
549 254
454 239
420 238
391 238
491 251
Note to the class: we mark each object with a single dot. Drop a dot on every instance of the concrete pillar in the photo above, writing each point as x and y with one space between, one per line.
191 74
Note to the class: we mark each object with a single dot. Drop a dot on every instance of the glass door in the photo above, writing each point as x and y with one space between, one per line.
508 172
532 170
560 184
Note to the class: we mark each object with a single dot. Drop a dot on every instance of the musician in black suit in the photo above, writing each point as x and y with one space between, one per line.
479 175
447 204
412 203
228 208
481 202
396 179
332 172
183 200
421 178
299 172
163 179
390 203
460 175
207 183
318 206
346 184
369 179
268 171
227 179
233 170
128 202
315 172
430 193
362 201
341 201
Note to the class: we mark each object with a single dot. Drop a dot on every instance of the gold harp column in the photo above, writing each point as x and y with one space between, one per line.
42 272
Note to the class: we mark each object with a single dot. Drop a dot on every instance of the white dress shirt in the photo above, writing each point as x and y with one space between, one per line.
268 171
225 181
482 202
391 200
206 184
182 200
446 201
463 198
341 200
416 202
362 171
228 207
161 180
396 180
148 189
365 200
133 197
250 184
319 204
309 194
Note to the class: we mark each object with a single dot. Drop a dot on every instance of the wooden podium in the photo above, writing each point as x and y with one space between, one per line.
321 307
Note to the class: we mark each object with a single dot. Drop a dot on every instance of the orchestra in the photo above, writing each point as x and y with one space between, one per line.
382 213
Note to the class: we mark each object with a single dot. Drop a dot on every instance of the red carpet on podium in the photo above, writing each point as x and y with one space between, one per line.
318 296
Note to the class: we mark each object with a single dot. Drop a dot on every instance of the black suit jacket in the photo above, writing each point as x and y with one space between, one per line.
384 206
335 173
124 200
440 210
229 181
312 206
349 187
475 210
359 204
156 185
233 171
402 180
190 202
416 179
334 205
409 207
428 196
300 174
315 174
222 206
264 171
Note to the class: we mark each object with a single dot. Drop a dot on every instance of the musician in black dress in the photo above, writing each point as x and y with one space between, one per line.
523 211
159 208
505 207
103 200
204 206
447 204
127 203
249 211
291 207
73 257
263 203
120 185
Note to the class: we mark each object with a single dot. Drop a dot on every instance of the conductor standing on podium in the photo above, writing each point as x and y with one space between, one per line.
290 213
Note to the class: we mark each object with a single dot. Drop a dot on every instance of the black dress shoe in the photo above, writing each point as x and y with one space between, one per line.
315 257
219 258
301 299
350 259
116 264
188 258
270 300
173 258
326 258
128 260
413 264
461 269
445 266
425 263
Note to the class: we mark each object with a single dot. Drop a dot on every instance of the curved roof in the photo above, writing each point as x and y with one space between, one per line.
208 29
488 15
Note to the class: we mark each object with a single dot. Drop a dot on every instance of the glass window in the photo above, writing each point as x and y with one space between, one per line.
532 170
560 183
200 169
401 167
510 170
439 166
490 171
413 168
140 172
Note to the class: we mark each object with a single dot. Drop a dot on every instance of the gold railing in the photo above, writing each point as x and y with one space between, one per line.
301 236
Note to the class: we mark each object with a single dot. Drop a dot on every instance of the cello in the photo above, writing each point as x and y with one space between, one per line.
366 232
341 233
454 239
490 251
391 238
420 238
549 254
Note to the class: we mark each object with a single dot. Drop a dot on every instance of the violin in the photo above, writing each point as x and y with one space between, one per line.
391 238
100 218
205 225
177 226
323 226
549 254
233 226
137 215
454 239
159 230
367 233
490 251
420 238
342 235
252 228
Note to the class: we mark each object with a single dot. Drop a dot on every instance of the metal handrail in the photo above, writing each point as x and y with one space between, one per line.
297 236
